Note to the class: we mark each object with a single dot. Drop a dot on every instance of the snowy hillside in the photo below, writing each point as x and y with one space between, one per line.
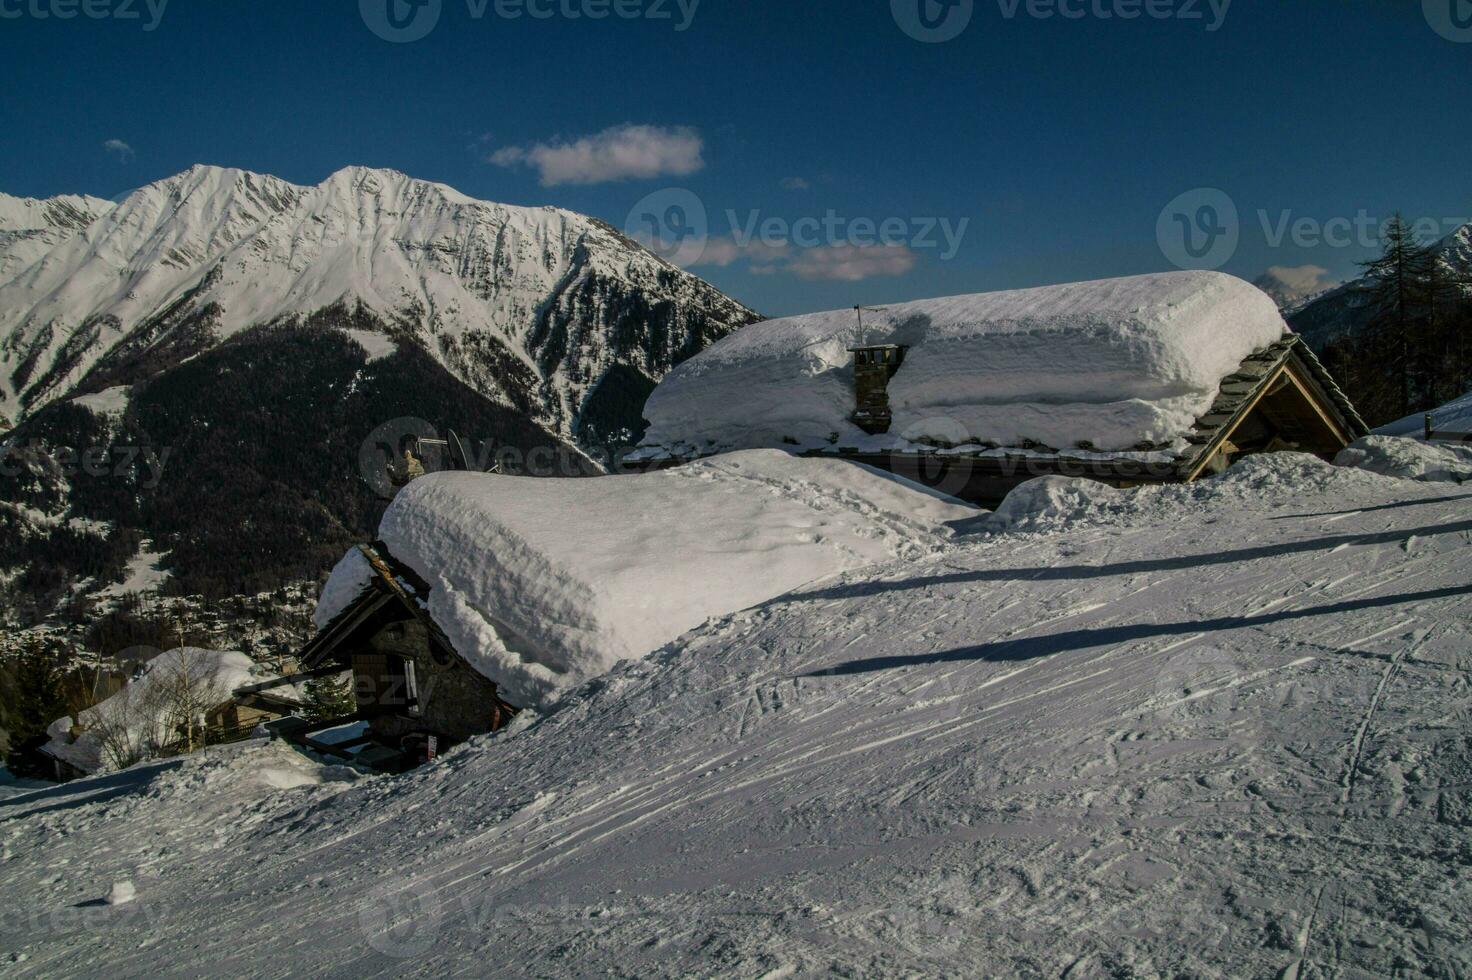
29 228
527 306
1212 730
1454 416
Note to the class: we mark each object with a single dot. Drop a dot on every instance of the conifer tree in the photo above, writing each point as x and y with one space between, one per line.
1396 337
39 697
330 697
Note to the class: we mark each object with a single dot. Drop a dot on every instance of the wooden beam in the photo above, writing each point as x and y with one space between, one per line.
284 680
1309 397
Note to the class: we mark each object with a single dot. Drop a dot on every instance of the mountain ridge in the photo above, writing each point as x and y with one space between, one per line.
480 286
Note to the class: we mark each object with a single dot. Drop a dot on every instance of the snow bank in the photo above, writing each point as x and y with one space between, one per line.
1053 502
545 584
1409 459
1057 503
132 724
1115 364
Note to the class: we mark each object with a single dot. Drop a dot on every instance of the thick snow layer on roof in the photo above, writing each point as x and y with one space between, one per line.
544 584
1217 736
1114 364
348 580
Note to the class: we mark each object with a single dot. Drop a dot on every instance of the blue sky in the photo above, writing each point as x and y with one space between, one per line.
1058 141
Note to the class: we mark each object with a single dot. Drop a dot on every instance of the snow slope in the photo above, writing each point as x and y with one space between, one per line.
29 227
546 586
522 304
1119 364
1218 731
1454 416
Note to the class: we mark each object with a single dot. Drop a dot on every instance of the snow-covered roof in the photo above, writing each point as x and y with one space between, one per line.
543 584
1115 365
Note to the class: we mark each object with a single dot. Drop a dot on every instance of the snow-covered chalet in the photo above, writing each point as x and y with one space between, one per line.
1152 379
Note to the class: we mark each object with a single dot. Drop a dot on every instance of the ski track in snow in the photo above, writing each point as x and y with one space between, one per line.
1201 742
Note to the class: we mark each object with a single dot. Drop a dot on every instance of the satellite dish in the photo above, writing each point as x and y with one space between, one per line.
459 458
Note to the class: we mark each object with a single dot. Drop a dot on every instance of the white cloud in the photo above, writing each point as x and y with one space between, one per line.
619 153
842 262
853 263
1302 278
795 184
123 151
727 251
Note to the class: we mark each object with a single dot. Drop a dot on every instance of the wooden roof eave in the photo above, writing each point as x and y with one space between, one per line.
1287 360
344 625
385 588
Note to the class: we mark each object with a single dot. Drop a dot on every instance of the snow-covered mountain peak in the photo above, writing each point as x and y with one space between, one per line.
1456 249
530 306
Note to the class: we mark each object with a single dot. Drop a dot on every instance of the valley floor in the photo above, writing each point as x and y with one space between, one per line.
1223 730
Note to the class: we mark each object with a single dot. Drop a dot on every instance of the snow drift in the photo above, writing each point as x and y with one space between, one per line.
1409 459
544 585
1222 736
1113 365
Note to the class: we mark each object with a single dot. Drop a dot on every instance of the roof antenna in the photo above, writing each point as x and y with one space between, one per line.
859 311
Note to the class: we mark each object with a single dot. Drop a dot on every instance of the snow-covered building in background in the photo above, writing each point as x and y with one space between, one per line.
491 593
182 698
1158 378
